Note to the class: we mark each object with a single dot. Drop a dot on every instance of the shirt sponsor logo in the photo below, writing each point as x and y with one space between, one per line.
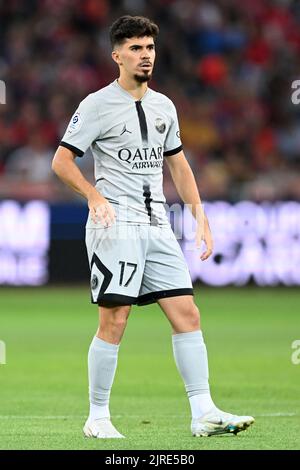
142 158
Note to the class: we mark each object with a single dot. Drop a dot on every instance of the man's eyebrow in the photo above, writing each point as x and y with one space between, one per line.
139 46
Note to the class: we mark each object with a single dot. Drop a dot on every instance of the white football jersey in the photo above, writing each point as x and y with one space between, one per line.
129 140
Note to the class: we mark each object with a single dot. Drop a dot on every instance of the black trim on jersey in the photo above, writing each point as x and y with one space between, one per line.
105 271
72 148
169 153
142 120
162 294
109 300
148 200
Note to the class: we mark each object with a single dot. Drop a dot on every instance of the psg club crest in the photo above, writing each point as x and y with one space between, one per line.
160 126
94 282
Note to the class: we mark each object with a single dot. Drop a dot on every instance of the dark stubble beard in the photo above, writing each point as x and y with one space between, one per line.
142 78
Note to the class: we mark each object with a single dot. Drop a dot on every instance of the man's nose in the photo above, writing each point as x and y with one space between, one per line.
145 54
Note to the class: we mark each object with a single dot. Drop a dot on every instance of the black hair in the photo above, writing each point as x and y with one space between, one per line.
127 27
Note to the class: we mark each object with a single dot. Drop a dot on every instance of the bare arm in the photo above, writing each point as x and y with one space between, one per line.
64 166
186 186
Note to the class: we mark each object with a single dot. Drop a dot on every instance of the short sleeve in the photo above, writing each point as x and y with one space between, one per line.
173 143
83 128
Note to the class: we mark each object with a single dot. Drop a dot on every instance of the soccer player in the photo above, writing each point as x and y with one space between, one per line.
133 253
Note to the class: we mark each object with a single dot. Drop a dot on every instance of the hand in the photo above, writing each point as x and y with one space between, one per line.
100 209
203 233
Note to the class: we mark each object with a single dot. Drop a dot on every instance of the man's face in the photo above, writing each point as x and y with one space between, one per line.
136 58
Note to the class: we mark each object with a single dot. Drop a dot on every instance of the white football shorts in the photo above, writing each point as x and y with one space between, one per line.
135 264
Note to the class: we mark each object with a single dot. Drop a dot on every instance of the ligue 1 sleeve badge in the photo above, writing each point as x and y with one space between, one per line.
75 123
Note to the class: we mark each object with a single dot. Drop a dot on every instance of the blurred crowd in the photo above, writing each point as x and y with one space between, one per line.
228 65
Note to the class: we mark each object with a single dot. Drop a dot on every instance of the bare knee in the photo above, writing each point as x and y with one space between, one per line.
187 320
115 317
113 321
193 318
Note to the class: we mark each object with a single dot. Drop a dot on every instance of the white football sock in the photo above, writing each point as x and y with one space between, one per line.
191 359
102 364
201 404
98 412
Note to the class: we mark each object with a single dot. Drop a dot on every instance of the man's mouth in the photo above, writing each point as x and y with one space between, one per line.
146 65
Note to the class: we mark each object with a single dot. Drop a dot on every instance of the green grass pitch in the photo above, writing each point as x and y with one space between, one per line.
43 385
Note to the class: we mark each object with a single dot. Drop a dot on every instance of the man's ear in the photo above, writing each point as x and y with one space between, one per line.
116 57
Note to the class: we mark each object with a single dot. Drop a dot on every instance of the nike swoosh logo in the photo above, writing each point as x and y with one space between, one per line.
217 421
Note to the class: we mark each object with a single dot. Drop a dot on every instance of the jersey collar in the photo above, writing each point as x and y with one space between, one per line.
127 94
